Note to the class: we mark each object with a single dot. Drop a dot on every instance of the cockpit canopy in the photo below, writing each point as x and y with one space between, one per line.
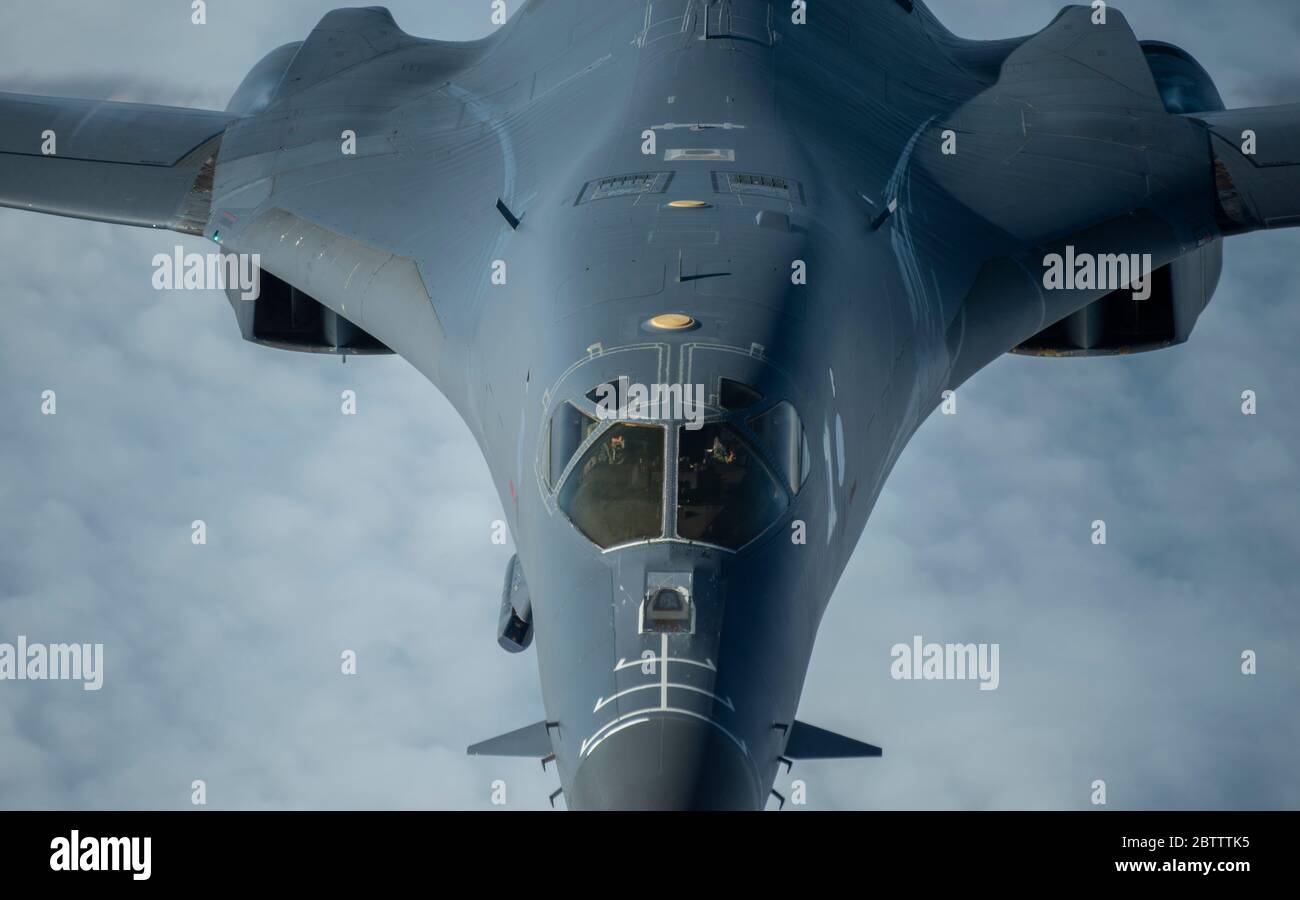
732 474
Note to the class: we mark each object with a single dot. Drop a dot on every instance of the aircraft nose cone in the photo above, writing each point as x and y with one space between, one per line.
667 763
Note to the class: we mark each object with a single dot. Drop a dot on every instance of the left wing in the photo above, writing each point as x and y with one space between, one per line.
1071 152
125 163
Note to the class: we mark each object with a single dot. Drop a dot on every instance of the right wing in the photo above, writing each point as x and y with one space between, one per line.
1256 166
125 163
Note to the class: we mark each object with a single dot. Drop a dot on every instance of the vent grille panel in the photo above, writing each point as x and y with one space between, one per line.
771 186
633 185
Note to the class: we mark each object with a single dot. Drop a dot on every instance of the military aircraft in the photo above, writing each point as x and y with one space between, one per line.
693 272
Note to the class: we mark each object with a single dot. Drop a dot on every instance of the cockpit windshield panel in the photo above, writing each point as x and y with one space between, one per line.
725 494
615 494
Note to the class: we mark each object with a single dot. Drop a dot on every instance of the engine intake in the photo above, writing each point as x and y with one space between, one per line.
285 318
1119 324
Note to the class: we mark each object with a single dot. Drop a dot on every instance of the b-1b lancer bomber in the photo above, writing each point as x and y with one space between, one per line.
693 272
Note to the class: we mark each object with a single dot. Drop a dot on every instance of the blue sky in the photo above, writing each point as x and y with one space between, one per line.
371 532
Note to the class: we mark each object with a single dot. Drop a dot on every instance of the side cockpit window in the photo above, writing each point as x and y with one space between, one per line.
615 494
782 434
567 430
725 494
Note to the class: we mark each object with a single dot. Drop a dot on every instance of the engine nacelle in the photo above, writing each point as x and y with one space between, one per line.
259 87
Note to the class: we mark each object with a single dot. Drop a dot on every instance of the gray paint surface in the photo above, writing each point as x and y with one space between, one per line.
903 324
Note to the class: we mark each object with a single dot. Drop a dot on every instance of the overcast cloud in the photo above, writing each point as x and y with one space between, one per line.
371 532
